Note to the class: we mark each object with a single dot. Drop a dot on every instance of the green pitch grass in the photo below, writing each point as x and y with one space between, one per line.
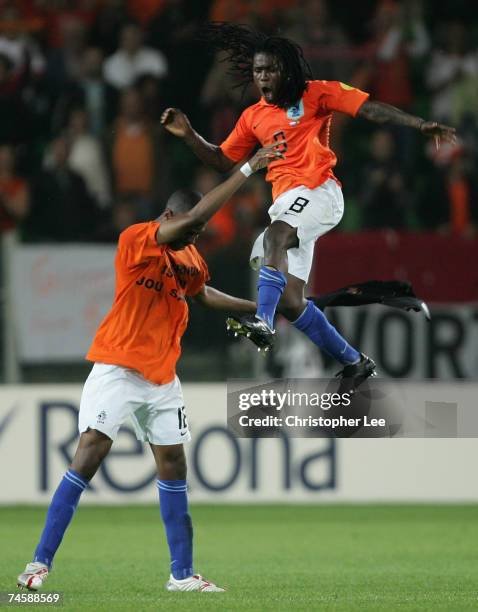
269 557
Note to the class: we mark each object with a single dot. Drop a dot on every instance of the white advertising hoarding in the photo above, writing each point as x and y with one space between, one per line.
403 344
38 435
60 295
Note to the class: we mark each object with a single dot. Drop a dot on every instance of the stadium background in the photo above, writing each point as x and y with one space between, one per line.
82 156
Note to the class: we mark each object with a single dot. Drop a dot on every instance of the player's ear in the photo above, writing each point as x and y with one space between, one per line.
167 214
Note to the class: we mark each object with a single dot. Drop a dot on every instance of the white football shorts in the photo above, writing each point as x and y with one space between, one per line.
313 212
112 394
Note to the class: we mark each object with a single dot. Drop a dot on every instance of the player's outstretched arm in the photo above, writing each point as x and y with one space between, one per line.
177 123
217 300
379 112
197 217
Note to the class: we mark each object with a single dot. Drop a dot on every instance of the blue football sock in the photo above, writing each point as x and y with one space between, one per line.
60 513
271 285
173 502
315 326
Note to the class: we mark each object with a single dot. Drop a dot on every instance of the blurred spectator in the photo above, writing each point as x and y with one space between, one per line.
174 32
175 25
151 93
384 198
239 221
137 159
65 62
229 10
453 78
123 214
323 40
451 190
24 100
399 34
222 100
89 91
14 192
110 18
87 159
264 13
205 179
132 59
17 45
452 66
13 114
59 14
251 204
220 230
22 15
462 194
143 11
62 209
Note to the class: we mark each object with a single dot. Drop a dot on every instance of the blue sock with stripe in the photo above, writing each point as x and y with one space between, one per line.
271 285
173 503
313 323
61 510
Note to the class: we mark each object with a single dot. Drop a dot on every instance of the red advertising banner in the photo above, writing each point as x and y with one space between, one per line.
441 268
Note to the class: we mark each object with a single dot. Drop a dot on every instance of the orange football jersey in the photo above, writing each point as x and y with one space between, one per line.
305 128
149 314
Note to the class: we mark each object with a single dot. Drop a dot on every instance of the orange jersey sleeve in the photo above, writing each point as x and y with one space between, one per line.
242 140
138 243
337 96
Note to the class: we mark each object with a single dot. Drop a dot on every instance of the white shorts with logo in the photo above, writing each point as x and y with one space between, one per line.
313 212
112 394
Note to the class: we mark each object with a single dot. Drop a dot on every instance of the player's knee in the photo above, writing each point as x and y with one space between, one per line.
86 462
172 464
292 306
92 449
279 237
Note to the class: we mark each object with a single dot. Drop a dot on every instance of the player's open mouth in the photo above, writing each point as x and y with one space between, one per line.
267 92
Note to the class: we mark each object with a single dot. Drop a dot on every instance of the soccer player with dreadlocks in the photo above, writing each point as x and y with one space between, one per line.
307 199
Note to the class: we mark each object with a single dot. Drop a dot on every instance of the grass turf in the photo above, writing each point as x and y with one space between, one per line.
328 557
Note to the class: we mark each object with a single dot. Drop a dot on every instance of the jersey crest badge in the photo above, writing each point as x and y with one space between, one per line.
295 112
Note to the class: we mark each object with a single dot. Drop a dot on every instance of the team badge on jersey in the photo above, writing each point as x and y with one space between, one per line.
295 112
100 418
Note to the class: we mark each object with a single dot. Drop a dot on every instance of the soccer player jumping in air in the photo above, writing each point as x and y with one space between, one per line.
135 351
307 199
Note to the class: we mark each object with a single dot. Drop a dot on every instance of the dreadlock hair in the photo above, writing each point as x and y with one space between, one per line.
241 43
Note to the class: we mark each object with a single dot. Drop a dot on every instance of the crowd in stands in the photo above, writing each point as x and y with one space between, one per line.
83 84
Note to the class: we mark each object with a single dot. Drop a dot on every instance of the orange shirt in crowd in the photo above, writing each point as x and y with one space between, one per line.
149 315
305 128
9 188
144 10
240 10
220 230
133 158
459 196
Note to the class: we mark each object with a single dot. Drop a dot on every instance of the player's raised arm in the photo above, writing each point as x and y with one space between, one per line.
194 220
217 300
177 123
379 112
